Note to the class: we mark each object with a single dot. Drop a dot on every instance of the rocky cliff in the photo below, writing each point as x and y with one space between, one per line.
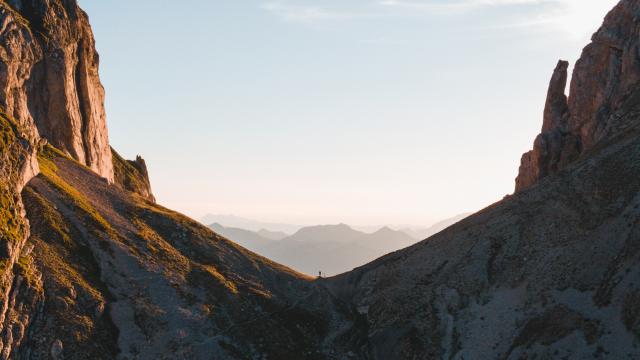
132 176
549 273
99 271
123 277
49 78
19 287
50 92
604 79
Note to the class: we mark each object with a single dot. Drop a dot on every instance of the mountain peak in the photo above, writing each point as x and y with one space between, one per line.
605 77
385 230
67 104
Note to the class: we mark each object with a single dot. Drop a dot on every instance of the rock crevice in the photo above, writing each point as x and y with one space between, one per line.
49 78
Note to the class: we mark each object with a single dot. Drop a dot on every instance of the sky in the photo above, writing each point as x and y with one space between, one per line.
315 112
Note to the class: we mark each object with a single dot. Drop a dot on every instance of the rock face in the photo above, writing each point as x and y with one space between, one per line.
603 80
49 78
100 271
125 278
549 273
132 175
19 285
555 147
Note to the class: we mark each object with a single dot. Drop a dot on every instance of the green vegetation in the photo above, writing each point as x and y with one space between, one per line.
58 228
75 293
160 251
25 268
231 286
60 247
11 225
128 176
49 171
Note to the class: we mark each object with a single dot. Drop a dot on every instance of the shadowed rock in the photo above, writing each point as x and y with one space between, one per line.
603 81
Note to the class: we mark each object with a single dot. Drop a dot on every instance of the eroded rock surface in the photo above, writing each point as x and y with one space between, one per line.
103 272
132 175
20 285
126 278
603 80
49 78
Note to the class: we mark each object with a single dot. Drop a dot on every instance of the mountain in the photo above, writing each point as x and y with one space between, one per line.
249 224
272 235
92 268
333 249
420 234
385 240
249 239
548 273
118 275
341 233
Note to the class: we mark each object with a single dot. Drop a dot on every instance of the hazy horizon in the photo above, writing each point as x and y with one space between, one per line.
251 224
357 112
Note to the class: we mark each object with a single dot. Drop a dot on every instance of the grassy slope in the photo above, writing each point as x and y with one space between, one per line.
11 225
97 240
130 177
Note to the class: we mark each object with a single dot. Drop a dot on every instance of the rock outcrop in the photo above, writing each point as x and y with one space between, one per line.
555 147
128 279
132 175
19 284
103 272
49 78
549 273
603 80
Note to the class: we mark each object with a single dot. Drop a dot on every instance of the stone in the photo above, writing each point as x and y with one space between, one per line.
99 310
556 111
603 80
49 82
27 249
56 350
72 292
550 270
132 175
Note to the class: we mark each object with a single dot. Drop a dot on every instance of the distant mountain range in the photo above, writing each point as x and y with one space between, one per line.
249 224
332 249
278 231
272 235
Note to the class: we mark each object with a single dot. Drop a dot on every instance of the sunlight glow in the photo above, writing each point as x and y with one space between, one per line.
578 16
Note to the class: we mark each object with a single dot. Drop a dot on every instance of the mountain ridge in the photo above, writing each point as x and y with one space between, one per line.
92 267
330 249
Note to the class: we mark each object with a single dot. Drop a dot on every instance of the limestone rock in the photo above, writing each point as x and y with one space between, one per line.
550 272
49 78
56 350
132 175
603 80
556 111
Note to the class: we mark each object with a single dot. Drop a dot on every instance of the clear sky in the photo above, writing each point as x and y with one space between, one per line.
365 112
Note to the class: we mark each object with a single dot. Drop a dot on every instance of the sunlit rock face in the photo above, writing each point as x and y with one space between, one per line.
132 175
603 81
100 271
19 293
49 78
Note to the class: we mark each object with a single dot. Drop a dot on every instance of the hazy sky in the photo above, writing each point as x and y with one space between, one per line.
365 112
